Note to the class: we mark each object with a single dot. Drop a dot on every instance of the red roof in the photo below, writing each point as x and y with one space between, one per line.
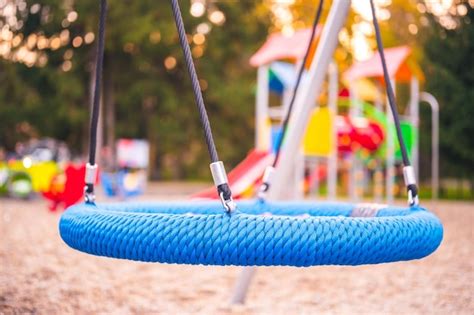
279 46
396 58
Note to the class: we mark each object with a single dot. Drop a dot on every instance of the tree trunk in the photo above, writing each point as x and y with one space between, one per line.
149 107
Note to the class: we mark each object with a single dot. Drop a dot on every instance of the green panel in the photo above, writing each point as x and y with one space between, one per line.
409 136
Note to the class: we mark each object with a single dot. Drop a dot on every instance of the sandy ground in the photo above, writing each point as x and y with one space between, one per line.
40 274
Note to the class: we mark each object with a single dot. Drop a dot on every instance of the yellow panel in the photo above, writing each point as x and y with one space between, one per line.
318 140
41 173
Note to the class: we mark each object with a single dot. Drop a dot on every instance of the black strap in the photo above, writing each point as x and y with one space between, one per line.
97 90
412 188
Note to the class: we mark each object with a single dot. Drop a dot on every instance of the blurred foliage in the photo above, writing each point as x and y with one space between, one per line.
449 67
147 99
150 100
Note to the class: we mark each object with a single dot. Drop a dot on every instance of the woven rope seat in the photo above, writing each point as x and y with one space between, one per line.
258 234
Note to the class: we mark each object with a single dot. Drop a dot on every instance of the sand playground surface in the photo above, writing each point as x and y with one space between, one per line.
40 274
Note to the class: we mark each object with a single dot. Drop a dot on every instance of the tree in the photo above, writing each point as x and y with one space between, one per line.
147 87
40 95
450 68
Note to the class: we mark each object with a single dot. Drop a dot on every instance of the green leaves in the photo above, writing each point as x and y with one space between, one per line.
150 100
450 73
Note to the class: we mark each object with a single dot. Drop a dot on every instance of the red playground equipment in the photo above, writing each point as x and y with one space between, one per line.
67 188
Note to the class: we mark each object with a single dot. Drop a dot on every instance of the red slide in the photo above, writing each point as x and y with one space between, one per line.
244 175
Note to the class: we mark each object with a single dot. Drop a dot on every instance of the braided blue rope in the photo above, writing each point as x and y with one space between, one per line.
296 234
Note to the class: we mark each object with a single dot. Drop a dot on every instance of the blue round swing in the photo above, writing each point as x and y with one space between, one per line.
252 233
258 234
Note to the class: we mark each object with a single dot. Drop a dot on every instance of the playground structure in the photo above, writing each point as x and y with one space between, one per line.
45 168
32 169
402 70
130 177
331 139
66 187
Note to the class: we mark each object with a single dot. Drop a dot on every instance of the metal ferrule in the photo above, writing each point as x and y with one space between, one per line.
229 204
219 174
262 191
91 173
88 197
410 181
266 180
409 175
268 175
413 200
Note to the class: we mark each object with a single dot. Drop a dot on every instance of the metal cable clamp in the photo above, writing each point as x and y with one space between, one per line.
221 182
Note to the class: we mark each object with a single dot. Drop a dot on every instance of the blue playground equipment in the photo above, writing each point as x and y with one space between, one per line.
115 184
253 233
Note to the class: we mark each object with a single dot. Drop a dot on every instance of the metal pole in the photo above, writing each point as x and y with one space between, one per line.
261 110
314 171
298 176
415 120
301 113
378 173
354 111
390 174
431 100
242 285
332 103
378 183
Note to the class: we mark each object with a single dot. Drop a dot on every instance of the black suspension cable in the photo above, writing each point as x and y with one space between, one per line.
410 179
284 126
195 81
217 167
91 169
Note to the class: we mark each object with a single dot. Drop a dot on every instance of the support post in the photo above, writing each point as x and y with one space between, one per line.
242 285
332 103
355 110
415 120
390 162
314 182
431 100
262 134
298 176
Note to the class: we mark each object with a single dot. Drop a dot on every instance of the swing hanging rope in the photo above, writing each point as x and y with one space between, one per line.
217 167
91 166
408 171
